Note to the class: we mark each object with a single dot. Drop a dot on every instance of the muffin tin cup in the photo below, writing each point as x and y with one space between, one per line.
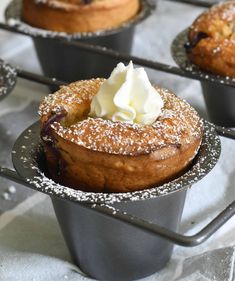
119 236
68 63
219 98
111 250
220 103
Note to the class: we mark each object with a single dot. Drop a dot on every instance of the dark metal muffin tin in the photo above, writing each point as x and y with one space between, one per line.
68 63
118 236
9 74
30 165
121 236
219 98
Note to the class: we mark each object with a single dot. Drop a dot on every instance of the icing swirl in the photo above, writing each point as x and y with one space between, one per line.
127 96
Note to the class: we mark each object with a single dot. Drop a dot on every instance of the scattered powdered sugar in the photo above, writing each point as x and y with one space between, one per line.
7 194
12 189
217 50
31 171
8 76
225 11
69 98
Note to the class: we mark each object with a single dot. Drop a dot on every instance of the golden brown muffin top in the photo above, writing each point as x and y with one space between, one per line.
218 22
178 124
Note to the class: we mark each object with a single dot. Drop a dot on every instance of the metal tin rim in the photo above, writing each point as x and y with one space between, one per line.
180 57
8 78
13 19
27 150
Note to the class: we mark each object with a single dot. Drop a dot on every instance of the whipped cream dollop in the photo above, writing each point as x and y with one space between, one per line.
127 96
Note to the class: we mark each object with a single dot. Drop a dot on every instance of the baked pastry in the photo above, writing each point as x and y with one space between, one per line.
78 15
100 155
212 40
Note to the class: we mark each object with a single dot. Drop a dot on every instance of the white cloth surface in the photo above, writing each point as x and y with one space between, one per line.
31 244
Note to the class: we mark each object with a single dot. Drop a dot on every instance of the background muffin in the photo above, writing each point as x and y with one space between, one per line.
212 40
78 15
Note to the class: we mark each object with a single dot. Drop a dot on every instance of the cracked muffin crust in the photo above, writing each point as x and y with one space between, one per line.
99 155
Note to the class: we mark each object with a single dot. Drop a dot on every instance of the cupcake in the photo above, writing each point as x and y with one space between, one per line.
212 40
118 135
78 15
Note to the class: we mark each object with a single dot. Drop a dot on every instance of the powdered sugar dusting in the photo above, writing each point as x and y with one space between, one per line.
69 98
224 11
28 164
7 79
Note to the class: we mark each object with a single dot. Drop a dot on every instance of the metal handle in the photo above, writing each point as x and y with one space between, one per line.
125 57
31 76
147 63
39 78
200 3
225 132
176 238
9 76
222 131
12 175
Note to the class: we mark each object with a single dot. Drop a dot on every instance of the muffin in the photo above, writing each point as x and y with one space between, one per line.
118 135
212 40
78 15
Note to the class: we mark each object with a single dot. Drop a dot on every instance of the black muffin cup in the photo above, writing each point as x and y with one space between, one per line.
69 63
105 246
219 97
